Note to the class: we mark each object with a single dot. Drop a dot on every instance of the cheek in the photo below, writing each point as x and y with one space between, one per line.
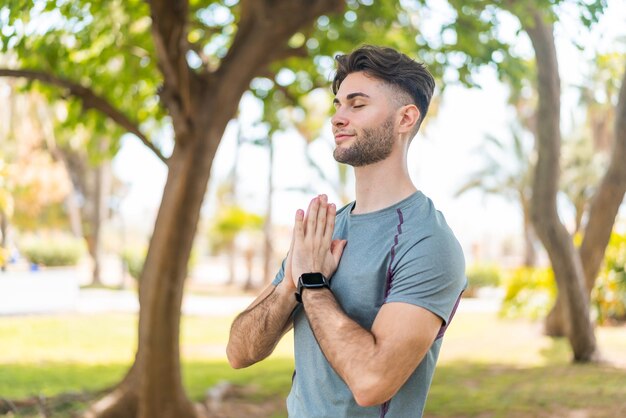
364 120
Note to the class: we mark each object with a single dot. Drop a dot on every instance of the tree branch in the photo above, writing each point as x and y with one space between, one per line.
90 100
606 201
169 32
199 50
275 22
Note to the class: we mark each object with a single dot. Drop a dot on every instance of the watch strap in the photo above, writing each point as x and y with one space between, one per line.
311 281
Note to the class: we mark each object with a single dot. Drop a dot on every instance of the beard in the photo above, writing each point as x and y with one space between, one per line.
372 146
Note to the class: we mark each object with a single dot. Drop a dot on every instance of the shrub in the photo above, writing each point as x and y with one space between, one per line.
482 275
134 259
53 251
529 292
609 294
4 256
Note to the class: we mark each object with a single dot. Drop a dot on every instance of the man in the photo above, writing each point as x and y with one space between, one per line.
377 282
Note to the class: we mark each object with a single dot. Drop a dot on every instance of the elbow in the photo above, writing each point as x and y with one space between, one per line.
371 393
369 398
235 359
363 400
240 356
236 363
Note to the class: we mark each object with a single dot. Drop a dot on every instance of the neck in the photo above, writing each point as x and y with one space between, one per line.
382 184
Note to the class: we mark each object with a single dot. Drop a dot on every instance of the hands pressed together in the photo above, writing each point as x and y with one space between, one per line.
312 247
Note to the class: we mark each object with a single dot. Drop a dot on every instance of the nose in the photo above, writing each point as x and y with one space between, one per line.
339 120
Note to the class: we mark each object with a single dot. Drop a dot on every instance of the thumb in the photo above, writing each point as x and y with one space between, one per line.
293 240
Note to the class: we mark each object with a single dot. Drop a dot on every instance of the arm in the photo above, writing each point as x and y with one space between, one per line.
374 364
256 331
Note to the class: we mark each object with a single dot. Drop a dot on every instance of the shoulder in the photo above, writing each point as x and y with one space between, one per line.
422 221
428 240
345 210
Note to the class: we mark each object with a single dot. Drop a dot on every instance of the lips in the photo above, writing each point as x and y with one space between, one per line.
342 136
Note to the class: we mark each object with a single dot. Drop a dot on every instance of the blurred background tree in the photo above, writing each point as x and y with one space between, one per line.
229 224
574 271
508 173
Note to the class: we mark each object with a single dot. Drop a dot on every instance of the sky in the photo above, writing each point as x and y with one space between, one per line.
440 160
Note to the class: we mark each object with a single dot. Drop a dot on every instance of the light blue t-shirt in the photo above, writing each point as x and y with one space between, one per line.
403 253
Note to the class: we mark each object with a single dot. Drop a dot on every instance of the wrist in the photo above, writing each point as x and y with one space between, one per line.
289 282
311 282
285 290
312 296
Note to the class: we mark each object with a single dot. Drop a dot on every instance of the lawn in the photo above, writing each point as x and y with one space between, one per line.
488 367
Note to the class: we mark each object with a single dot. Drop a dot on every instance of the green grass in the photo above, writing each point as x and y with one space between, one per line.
104 339
17 381
55 354
488 367
477 390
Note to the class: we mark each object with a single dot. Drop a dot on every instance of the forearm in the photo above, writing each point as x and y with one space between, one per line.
256 331
351 350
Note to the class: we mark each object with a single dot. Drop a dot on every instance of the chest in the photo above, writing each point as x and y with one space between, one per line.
360 282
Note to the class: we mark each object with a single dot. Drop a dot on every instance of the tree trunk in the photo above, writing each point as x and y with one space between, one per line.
153 387
606 201
122 401
94 183
556 324
73 213
249 258
530 253
4 229
579 211
565 260
86 181
232 263
602 214
268 251
101 176
161 391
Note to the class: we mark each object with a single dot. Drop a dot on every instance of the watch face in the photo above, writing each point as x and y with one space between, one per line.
313 279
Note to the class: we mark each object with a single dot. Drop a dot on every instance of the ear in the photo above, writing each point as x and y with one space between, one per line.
409 118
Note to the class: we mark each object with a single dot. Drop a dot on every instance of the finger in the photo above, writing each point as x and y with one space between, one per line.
298 230
331 212
321 218
311 215
293 238
289 263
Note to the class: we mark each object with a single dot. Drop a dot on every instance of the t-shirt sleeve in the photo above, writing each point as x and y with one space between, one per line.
430 274
281 273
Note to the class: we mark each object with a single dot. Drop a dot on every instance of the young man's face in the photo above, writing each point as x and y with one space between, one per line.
364 121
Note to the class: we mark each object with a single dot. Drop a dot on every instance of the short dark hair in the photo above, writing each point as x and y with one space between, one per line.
393 68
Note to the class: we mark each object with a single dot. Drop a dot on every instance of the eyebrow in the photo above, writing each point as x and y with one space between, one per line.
351 96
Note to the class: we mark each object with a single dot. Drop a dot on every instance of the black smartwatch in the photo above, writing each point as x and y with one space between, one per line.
311 281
